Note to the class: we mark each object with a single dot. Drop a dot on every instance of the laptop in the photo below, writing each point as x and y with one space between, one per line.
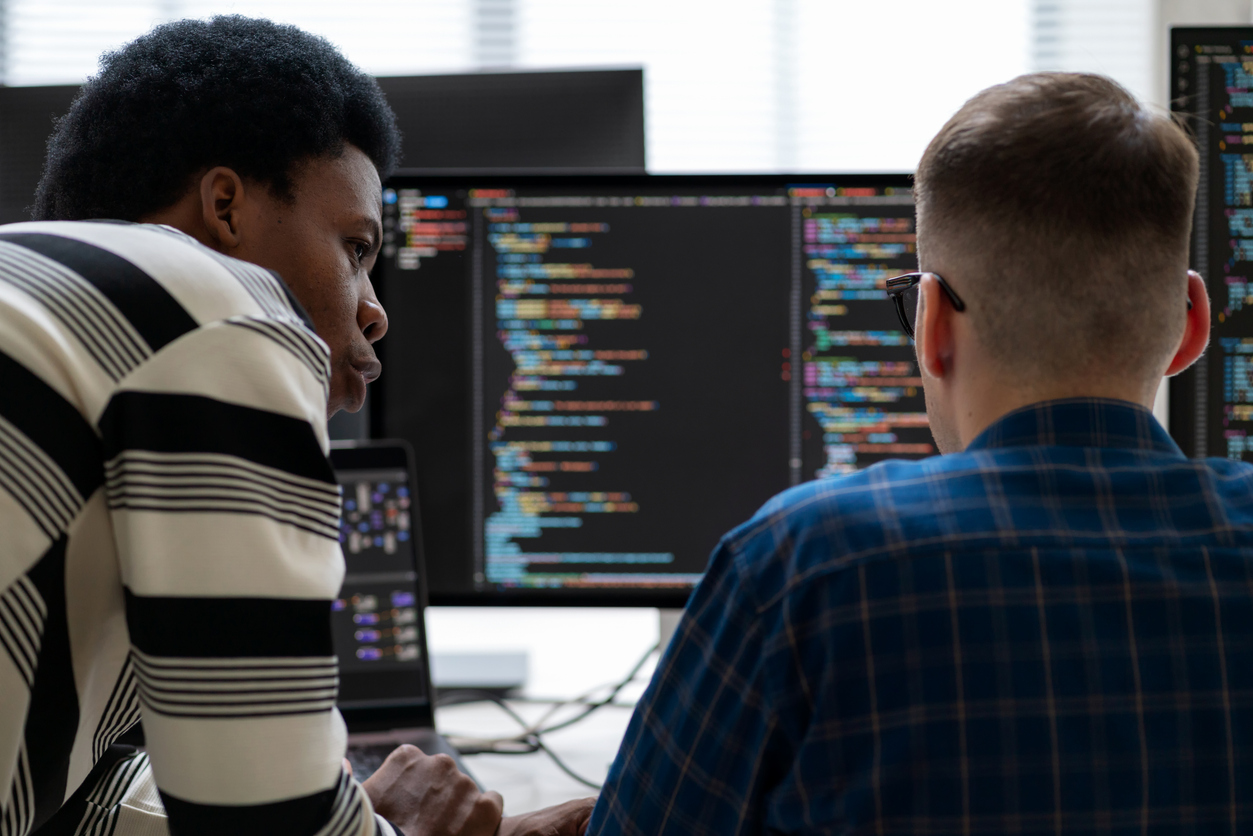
385 692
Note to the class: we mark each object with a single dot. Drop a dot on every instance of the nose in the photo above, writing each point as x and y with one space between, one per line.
371 318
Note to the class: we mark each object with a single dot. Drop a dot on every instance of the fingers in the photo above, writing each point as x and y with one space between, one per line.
430 796
589 806
485 814
569 819
580 813
441 764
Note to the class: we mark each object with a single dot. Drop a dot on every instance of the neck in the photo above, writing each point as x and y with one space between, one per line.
186 216
986 401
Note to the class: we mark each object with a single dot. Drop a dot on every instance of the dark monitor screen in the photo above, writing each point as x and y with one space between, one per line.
376 621
26 120
1211 405
591 119
602 375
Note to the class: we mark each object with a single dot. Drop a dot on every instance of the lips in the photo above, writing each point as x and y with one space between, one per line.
360 373
368 369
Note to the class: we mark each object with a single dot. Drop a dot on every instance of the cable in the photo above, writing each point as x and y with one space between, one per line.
562 766
596 706
538 727
530 739
465 696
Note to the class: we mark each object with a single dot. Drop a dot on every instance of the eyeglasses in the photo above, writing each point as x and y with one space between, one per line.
903 291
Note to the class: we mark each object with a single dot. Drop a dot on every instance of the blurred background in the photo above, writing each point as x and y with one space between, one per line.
730 86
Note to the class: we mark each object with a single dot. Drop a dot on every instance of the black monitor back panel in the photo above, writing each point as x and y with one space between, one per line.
26 117
589 119
1211 404
602 375
585 119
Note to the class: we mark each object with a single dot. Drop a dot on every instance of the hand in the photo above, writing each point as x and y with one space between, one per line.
428 796
569 819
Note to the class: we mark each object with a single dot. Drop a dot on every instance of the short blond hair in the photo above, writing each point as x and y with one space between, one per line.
1071 205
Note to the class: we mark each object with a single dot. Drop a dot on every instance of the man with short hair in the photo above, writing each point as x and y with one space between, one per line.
168 518
1046 630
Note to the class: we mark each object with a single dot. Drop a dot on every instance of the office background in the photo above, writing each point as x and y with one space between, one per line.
730 86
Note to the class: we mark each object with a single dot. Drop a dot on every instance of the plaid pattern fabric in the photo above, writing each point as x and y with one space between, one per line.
1049 633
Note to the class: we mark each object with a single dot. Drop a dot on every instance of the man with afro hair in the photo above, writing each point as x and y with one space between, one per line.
189 305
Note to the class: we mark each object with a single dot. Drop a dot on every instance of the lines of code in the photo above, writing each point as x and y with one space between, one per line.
1222 389
650 364
629 344
542 309
861 380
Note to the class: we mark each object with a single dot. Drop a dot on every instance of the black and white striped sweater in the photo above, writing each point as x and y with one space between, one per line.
168 542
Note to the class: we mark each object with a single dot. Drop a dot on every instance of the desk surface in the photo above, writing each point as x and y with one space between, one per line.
531 782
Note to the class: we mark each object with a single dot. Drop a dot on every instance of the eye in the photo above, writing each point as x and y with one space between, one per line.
360 250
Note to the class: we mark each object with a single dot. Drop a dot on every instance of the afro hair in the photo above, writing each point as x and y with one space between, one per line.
252 95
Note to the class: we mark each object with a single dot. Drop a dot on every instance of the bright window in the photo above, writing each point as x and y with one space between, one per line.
734 85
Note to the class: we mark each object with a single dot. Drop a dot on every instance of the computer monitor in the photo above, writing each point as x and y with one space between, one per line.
600 376
586 119
1211 405
567 119
26 119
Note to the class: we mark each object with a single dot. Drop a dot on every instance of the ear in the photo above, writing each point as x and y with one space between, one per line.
933 332
1196 328
221 203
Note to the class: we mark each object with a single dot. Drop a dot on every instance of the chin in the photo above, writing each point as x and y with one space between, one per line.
343 405
347 392
341 402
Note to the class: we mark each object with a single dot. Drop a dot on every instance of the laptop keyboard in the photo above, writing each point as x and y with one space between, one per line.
367 759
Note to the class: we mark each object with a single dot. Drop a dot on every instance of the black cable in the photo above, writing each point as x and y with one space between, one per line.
466 696
596 706
531 738
562 766
530 746
494 746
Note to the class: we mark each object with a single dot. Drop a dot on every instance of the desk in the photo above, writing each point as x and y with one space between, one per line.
530 782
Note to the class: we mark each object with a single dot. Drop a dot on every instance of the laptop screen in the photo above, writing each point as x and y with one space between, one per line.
377 619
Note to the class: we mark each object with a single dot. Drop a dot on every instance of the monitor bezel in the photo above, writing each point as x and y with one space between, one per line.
530 178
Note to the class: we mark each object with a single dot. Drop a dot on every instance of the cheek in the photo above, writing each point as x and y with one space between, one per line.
338 319
330 298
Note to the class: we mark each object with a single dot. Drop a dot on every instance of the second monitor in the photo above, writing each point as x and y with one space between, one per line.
602 375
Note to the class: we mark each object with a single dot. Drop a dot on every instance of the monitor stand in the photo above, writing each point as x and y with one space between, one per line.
667 623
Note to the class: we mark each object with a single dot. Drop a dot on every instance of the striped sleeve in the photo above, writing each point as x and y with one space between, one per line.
225 512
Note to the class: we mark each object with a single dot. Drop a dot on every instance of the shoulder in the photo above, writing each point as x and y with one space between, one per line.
987 499
145 265
822 526
1231 482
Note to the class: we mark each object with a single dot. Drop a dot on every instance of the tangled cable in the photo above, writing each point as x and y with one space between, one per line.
531 738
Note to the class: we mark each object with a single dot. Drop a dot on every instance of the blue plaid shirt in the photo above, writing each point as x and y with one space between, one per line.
1051 632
